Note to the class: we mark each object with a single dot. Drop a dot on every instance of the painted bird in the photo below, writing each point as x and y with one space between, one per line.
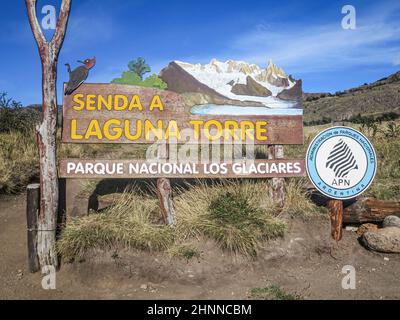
79 75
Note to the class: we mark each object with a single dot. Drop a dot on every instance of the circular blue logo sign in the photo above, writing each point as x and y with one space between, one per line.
341 163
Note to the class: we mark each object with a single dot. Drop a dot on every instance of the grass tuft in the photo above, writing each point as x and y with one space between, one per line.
385 189
238 216
88 188
131 222
296 201
187 252
272 292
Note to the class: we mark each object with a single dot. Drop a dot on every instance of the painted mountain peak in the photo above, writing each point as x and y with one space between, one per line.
234 83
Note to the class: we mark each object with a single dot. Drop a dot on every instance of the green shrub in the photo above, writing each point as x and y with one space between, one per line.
13 117
134 76
154 81
239 225
139 66
238 216
187 252
272 292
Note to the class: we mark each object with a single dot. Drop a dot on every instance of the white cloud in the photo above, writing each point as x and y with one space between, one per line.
88 29
324 47
396 60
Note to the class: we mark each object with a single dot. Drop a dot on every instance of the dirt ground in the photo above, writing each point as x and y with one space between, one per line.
305 262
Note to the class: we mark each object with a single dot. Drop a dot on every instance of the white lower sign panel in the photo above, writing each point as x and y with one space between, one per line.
158 169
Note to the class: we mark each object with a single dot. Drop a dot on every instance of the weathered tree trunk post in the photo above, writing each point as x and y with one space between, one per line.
62 206
278 184
32 213
47 131
336 214
164 190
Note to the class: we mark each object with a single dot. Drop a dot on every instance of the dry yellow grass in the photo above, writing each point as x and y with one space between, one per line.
131 223
19 162
296 201
238 215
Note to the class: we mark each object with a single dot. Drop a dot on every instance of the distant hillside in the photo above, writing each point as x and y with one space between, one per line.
375 99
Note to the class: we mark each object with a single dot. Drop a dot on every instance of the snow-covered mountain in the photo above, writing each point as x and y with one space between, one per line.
234 81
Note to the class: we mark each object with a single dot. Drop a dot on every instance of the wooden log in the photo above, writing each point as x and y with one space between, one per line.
278 184
336 215
164 190
32 212
366 210
46 132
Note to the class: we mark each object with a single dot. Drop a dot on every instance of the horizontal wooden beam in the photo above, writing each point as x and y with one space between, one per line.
111 169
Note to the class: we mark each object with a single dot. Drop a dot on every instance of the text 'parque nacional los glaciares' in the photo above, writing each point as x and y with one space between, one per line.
150 169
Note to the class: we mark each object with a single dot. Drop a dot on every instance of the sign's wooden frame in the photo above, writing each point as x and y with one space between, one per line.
122 103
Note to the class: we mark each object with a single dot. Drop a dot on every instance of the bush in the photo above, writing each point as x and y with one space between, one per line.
13 117
19 163
134 76
371 119
238 216
238 225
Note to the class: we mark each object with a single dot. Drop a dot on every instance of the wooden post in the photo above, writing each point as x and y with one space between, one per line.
32 212
336 214
278 184
62 206
46 132
164 190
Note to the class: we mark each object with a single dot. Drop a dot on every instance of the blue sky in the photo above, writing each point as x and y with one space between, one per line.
305 38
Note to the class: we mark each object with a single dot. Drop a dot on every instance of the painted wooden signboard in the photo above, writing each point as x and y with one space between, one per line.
113 113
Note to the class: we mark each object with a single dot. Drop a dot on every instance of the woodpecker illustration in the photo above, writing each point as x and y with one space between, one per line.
79 75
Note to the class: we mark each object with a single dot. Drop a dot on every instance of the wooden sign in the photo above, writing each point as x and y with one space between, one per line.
112 113
99 169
